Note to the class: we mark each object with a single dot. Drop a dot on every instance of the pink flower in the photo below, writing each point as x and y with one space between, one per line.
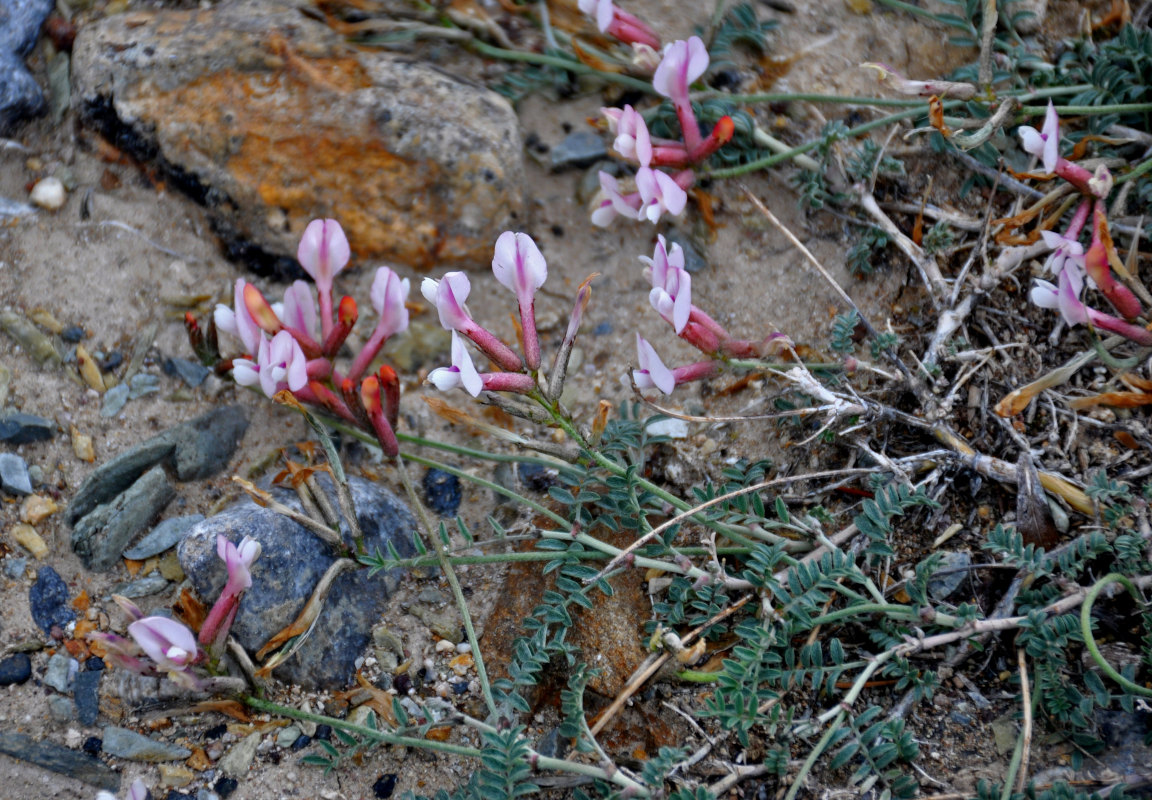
632 139
323 252
601 9
448 295
683 63
652 373
279 363
238 560
1043 143
624 26
299 309
659 192
671 293
1065 298
614 203
171 645
461 373
519 265
239 322
389 294
1064 250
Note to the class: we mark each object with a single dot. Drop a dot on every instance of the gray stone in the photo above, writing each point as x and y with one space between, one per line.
190 372
142 383
59 759
579 149
20 96
113 477
123 743
20 428
48 601
162 537
16 668
142 587
61 708
59 672
86 690
950 575
101 536
290 565
15 567
205 445
114 400
694 260
236 761
14 477
420 167
287 737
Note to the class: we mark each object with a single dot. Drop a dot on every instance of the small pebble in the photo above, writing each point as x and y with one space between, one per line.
302 741
226 786
60 672
384 786
48 193
73 334
141 384
190 372
89 371
93 745
15 567
114 400
442 491
16 668
580 149
323 732
111 361
37 508
82 445
61 708
175 775
14 477
444 646
27 537
21 428
464 647
48 601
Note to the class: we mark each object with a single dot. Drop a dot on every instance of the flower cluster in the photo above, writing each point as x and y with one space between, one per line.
163 646
519 265
284 350
671 297
657 192
1068 261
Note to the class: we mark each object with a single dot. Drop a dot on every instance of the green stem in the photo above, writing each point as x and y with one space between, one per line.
1090 640
561 63
532 555
810 761
540 762
454 583
1136 173
1116 108
891 609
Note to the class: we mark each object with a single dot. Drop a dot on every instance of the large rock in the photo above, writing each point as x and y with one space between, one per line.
272 119
290 565
20 96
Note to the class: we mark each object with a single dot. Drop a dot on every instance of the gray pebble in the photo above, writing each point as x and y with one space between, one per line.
237 760
142 383
14 477
162 537
16 668
190 372
86 690
114 400
287 736
60 759
60 671
694 260
123 743
101 536
61 708
579 149
941 586
14 568
142 587
20 428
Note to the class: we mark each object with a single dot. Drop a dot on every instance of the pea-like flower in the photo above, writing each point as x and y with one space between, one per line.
299 309
168 643
323 252
659 192
632 138
1043 143
624 26
1065 298
279 363
1065 250
683 63
519 265
448 295
671 293
614 203
462 372
238 560
389 294
238 322
652 373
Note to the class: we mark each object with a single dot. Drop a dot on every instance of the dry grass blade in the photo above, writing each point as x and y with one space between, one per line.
305 620
263 498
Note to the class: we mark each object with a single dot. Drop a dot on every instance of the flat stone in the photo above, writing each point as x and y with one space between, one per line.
579 149
142 587
287 736
20 96
205 445
101 536
114 476
48 601
123 743
86 691
20 428
14 477
142 383
58 674
950 575
175 775
162 537
16 668
271 119
190 372
114 400
694 260
61 760
236 761
290 565
61 708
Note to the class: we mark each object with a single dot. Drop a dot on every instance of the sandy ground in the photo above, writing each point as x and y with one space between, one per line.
114 282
